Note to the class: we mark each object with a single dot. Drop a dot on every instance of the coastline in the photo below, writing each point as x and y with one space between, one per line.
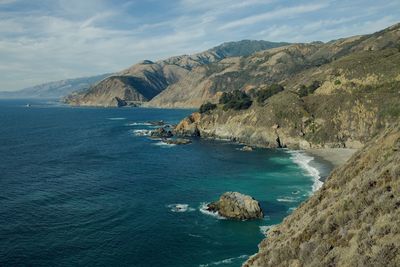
335 156
319 163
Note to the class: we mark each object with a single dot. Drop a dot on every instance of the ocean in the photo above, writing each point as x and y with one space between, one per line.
86 187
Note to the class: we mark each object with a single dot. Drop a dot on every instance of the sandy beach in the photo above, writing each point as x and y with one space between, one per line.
336 156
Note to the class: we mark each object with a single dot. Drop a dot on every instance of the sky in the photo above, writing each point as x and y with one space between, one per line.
48 40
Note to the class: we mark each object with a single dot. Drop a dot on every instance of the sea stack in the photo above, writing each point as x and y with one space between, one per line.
236 206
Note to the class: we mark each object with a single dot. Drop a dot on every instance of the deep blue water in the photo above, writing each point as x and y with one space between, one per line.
78 188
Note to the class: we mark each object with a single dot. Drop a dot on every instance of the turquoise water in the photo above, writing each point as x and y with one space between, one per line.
80 188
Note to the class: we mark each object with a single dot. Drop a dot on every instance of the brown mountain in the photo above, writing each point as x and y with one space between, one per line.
143 81
290 66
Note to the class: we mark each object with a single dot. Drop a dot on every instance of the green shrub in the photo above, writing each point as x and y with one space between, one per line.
235 100
338 82
264 94
308 90
207 107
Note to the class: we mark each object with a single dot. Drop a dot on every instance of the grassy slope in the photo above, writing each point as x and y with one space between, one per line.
351 221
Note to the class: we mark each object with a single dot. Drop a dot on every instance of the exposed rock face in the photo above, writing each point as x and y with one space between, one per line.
351 221
234 205
189 125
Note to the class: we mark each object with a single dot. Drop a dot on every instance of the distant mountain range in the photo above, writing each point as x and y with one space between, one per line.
145 80
55 89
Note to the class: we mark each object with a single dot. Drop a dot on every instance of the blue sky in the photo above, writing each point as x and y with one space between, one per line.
46 40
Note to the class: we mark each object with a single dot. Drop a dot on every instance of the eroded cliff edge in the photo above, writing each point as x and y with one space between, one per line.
351 221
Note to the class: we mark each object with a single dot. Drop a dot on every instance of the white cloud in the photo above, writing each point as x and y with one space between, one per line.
275 14
78 38
3 2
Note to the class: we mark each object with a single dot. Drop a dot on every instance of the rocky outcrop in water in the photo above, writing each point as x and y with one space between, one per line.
178 141
234 205
161 133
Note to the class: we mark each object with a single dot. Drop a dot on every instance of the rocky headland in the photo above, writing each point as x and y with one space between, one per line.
351 221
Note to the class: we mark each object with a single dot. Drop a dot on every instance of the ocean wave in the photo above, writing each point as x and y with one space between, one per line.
138 124
117 119
193 235
287 199
290 210
265 228
180 207
303 161
203 209
226 261
142 132
163 144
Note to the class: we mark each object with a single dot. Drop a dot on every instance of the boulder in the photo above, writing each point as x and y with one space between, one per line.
237 206
179 141
247 148
161 133
156 123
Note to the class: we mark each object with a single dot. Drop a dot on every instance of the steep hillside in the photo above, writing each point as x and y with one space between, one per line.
290 65
340 103
56 89
145 80
351 221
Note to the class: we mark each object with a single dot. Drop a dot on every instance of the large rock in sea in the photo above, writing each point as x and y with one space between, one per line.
234 205
161 133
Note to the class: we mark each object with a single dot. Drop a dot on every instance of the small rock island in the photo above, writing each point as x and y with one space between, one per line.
236 206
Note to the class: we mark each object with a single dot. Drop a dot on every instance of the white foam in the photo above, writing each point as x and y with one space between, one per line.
225 261
163 144
180 207
138 124
142 132
287 199
290 210
303 160
117 119
204 209
265 228
193 235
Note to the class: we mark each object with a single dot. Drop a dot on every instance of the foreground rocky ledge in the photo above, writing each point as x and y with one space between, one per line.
234 205
351 221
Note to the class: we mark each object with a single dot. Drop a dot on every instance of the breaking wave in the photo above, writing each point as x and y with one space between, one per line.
203 209
180 208
225 261
303 161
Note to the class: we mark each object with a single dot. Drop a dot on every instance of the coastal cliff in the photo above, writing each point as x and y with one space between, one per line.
287 120
351 221
338 94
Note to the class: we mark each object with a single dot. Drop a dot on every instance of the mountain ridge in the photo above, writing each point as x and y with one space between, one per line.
155 77
55 89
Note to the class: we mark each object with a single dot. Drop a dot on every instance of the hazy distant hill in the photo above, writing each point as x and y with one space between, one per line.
145 80
55 89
